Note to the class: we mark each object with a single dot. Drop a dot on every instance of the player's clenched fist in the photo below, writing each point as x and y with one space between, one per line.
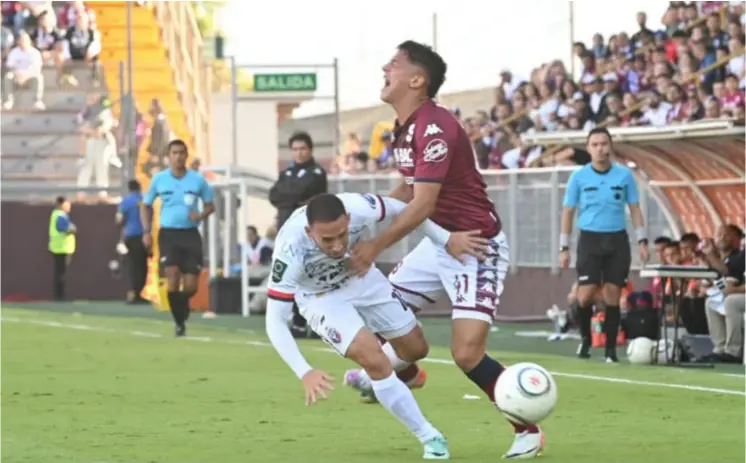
468 242
316 383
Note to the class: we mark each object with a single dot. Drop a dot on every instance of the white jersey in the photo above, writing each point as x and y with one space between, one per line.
298 265
336 303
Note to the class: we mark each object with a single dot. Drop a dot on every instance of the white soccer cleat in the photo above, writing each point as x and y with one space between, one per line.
526 445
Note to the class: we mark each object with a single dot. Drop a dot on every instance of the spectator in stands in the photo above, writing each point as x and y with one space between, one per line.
644 35
69 14
24 69
48 40
160 133
32 12
82 45
100 147
656 111
726 302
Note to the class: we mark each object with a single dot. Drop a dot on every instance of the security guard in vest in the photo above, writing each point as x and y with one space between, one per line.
601 192
61 244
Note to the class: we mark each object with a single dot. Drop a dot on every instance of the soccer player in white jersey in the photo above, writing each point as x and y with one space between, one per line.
310 266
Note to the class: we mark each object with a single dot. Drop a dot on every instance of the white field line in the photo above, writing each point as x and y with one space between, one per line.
606 379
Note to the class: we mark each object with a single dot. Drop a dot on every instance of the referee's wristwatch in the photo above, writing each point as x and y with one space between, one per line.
564 248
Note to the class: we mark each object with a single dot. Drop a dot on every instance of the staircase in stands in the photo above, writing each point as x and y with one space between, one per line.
162 69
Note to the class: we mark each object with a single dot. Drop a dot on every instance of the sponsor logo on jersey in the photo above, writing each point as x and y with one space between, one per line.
278 270
435 151
403 157
410 134
432 129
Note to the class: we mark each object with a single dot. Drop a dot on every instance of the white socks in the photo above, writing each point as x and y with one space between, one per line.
396 397
396 362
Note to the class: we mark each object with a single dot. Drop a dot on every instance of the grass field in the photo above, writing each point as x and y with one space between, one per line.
87 384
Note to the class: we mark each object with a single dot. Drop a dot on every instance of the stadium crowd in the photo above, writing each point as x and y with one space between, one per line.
690 68
35 34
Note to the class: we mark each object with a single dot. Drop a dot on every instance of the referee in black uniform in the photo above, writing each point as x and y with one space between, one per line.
600 191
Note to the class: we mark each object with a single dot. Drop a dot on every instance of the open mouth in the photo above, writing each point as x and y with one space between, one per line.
386 82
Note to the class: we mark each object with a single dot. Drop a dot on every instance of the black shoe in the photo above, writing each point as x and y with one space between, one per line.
180 331
584 350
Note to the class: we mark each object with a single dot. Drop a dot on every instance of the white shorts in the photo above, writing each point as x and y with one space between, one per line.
428 273
368 302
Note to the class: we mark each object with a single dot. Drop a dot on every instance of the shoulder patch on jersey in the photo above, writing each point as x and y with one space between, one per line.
370 199
278 270
435 151
318 171
432 129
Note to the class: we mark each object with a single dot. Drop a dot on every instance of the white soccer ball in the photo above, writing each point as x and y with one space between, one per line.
525 393
641 351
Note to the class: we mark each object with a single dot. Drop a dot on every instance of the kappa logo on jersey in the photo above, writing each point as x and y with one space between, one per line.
403 157
435 151
432 129
370 199
278 270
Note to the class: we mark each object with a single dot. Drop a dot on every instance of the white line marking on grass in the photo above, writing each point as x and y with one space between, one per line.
605 379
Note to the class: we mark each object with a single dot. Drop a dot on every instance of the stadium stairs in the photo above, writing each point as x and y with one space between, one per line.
162 34
40 149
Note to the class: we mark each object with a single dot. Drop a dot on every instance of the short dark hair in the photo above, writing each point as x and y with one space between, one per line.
302 137
735 229
596 131
177 142
252 229
324 207
60 200
133 186
662 240
689 238
423 56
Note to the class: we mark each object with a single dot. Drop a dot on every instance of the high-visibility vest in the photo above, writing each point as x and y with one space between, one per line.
59 242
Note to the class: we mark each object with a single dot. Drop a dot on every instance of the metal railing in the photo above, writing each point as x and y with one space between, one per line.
529 202
184 44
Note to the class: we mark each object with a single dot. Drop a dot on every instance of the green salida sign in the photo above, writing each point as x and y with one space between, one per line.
298 82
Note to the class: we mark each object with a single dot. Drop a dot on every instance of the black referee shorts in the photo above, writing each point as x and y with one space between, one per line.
181 248
603 258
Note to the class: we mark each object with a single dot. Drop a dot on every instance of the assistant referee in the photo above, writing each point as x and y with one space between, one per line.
600 191
179 243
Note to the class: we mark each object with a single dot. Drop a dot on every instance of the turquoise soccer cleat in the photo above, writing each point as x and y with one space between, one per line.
436 449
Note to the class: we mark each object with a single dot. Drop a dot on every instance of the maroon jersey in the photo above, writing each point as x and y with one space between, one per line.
432 146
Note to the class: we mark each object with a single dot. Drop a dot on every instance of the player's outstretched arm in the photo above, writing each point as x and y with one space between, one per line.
277 318
315 382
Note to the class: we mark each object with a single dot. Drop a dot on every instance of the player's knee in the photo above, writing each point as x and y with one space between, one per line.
586 296
365 350
467 355
411 347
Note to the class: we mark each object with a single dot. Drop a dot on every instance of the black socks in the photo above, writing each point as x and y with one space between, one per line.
179 303
611 327
485 375
583 316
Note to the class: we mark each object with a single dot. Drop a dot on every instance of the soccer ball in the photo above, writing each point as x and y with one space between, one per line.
525 393
641 351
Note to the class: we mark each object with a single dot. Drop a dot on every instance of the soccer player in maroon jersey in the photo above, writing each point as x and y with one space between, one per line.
441 182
